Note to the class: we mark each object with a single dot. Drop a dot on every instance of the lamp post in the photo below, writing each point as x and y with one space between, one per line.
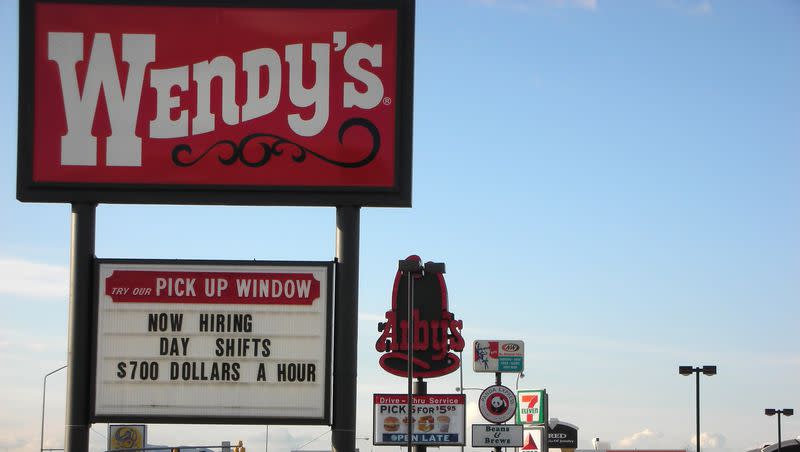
785 412
44 394
519 375
705 370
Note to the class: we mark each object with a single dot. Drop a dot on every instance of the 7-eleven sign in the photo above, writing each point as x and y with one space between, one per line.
531 407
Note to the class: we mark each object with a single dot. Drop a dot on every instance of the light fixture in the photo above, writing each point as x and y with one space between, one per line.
709 370
434 267
409 265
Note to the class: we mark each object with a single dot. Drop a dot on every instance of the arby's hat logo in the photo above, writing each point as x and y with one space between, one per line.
436 331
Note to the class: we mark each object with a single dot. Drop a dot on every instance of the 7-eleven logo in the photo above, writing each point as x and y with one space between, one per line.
530 407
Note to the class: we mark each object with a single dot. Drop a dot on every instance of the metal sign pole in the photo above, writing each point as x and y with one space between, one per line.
410 323
345 350
76 429
498 380
420 388
546 407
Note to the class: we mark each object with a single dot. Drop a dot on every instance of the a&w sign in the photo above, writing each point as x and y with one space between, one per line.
248 103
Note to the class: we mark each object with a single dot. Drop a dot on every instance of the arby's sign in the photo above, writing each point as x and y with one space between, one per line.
436 333
245 103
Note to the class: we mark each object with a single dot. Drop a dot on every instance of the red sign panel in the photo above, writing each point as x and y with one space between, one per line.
436 332
141 286
216 104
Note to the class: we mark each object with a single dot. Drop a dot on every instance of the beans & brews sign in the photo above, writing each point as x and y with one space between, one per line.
241 102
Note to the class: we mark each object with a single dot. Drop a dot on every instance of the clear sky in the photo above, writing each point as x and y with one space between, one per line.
617 183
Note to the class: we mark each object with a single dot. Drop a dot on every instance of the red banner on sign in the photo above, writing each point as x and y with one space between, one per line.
132 286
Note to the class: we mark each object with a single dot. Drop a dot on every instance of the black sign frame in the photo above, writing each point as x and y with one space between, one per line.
562 436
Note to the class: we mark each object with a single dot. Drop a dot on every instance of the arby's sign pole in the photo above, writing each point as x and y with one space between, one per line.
420 333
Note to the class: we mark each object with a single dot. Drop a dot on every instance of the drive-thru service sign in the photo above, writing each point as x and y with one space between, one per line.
220 342
436 420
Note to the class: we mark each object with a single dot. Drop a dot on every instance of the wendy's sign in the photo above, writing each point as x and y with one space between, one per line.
435 331
265 102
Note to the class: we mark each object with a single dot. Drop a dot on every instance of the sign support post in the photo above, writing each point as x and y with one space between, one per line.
410 320
420 388
348 223
76 430
498 380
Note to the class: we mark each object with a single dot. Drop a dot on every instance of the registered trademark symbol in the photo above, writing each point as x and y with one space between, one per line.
387 101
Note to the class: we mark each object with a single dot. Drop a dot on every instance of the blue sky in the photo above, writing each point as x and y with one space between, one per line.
617 183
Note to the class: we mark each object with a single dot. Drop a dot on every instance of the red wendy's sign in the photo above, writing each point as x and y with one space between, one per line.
436 331
241 102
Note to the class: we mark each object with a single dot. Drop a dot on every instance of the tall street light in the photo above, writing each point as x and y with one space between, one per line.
44 393
705 370
785 412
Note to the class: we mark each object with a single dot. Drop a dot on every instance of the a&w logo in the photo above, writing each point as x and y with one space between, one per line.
530 407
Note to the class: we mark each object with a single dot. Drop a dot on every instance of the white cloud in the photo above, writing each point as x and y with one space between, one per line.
21 345
585 4
526 5
10 440
645 436
32 279
701 8
370 317
710 440
693 7
580 4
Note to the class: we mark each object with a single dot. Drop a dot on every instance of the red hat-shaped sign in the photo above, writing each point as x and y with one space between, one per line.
436 332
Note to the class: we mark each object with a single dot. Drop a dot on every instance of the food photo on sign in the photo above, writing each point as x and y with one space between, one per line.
435 420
